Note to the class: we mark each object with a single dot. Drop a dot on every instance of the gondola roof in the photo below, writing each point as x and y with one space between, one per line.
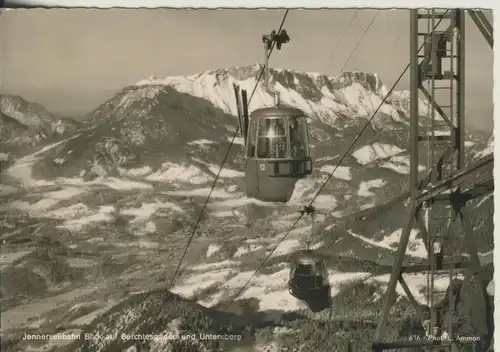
305 257
277 111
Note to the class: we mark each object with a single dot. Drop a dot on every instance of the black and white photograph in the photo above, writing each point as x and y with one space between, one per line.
246 180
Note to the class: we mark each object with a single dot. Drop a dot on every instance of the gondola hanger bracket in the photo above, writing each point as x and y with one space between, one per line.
308 210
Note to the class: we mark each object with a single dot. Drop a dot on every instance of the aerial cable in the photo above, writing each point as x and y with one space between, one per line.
359 41
341 40
327 180
193 232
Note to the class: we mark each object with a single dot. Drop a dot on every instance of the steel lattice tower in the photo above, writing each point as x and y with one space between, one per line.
437 201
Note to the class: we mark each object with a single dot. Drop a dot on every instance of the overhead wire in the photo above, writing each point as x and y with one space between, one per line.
341 40
359 41
193 232
328 179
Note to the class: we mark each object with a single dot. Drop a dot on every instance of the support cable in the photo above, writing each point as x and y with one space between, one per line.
359 41
341 40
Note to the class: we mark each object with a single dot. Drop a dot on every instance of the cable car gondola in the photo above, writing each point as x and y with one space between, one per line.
277 149
308 280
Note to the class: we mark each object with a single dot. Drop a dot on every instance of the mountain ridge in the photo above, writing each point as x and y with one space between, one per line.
330 99
25 125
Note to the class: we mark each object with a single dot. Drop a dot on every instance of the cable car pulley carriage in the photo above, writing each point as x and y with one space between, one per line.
277 149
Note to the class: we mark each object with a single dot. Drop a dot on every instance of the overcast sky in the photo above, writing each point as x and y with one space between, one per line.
71 60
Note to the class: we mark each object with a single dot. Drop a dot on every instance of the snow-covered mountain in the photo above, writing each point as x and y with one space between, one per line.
96 222
27 124
336 101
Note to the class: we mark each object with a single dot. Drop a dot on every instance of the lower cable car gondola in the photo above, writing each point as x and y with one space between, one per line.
308 276
277 149
308 279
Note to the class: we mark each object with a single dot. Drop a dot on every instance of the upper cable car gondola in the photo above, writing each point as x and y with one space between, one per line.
277 149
